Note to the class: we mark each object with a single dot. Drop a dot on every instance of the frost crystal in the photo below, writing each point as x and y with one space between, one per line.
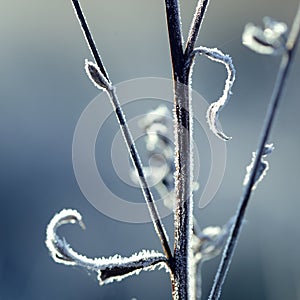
262 168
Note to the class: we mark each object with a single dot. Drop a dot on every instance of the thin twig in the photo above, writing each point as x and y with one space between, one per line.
127 135
88 36
156 219
195 26
285 65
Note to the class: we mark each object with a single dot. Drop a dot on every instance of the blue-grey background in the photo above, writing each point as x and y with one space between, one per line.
43 91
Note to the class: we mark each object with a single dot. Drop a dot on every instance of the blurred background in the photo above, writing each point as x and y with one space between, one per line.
43 91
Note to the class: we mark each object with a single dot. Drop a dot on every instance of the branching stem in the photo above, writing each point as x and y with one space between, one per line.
183 219
195 26
285 65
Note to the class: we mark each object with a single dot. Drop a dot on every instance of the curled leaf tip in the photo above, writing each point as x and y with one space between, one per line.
212 120
263 166
214 109
58 247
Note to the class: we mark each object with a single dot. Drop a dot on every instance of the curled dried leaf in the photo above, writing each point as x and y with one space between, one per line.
262 168
215 108
114 268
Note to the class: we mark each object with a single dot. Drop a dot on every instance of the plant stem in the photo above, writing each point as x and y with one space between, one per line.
183 219
183 158
156 220
88 36
195 26
127 136
285 65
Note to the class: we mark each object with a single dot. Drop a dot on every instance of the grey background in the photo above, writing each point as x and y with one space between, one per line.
43 90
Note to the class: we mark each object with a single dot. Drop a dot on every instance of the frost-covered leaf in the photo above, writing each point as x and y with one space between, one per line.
96 76
215 108
270 40
262 168
114 268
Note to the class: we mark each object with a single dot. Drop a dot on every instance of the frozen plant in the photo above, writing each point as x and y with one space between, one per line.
191 246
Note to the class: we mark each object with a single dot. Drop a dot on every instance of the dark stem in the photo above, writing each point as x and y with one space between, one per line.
180 276
139 168
88 36
195 26
127 137
285 65
183 219
175 38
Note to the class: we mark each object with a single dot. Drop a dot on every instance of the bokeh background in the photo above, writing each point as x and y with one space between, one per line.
43 91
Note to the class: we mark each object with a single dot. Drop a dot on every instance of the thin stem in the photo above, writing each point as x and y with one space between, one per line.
195 26
285 65
88 36
127 136
139 168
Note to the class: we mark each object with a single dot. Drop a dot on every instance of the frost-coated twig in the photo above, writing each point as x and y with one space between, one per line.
114 268
88 36
215 108
285 65
96 73
195 26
